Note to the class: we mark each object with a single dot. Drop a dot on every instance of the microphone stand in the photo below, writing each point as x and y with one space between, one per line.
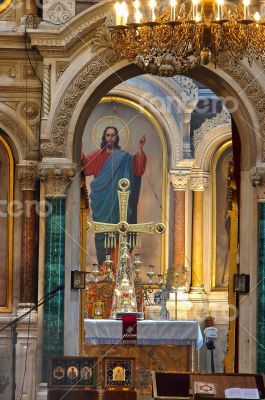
13 325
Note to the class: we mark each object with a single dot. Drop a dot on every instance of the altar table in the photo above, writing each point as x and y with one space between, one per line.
107 331
161 346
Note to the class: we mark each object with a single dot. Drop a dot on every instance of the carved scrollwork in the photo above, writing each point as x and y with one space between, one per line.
59 13
208 125
199 182
27 175
8 70
29 110
11 125
257 176
56 178
179 179
61 66
250 86
102 39
57 146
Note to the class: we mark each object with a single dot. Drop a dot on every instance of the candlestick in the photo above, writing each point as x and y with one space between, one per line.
246 9
152 5
173 4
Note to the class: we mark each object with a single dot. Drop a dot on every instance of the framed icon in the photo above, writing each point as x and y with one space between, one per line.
78 280
72 371
241 283
119 373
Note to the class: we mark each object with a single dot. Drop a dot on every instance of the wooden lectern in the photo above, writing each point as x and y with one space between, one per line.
172 385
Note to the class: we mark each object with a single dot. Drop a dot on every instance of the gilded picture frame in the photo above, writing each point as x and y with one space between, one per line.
4 4
72 371
119 373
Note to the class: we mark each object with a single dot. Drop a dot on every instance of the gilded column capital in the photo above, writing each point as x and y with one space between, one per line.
179 179
199 182
27 175
57 178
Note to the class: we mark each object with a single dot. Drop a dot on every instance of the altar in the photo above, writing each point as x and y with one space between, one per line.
160 346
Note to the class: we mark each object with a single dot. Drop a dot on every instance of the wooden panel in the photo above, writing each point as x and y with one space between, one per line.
171 386
57 394
119 395
147 358
224 381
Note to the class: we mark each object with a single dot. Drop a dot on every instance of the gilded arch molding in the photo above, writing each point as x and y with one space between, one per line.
56 147
19 135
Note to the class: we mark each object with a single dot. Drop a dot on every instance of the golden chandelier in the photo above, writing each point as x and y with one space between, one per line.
175 38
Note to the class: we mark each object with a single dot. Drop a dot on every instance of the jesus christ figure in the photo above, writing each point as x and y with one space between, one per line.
108 165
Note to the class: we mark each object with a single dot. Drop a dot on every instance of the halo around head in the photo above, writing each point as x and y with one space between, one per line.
102 124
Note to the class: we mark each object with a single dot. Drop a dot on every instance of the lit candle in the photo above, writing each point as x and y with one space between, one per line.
138 17
152 5
257 16
195 9
246 9
118 13
137 13
124 13
220 10
173 4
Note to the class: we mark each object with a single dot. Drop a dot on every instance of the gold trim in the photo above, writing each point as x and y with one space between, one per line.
84 212
10 227
216 157
4 5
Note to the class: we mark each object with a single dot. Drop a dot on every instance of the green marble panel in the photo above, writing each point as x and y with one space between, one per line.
261 293
53 319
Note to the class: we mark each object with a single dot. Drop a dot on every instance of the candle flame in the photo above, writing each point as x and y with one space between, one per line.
152 3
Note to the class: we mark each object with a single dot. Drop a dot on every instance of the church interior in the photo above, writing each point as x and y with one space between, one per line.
132 199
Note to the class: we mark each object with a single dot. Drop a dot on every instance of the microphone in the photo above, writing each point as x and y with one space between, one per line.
57 289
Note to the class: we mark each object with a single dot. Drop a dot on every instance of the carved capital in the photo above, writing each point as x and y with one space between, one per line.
257 177
199 182
27 175
57 178
179 179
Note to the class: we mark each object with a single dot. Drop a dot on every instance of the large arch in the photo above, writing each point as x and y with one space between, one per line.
95 69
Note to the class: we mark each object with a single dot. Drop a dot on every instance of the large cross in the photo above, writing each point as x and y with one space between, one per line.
124 300
122 227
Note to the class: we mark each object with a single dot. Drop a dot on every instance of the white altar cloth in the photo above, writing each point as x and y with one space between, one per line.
109 331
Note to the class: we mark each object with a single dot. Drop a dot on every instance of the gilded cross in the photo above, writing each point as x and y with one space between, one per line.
123 227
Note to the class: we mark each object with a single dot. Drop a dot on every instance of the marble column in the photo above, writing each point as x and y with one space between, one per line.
198 183
57 181
179 182
27 176
261 292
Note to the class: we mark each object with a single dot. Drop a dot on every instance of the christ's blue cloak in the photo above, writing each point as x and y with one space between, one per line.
104 195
